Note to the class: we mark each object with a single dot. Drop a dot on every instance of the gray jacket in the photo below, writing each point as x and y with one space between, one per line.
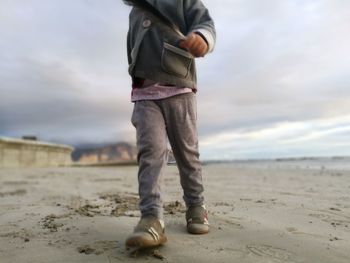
153 51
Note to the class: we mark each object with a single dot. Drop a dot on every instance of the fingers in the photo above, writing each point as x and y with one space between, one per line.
195 44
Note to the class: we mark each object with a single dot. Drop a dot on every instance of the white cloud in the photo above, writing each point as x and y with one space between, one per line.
322 137
275 82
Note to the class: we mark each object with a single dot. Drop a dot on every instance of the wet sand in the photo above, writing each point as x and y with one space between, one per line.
259 212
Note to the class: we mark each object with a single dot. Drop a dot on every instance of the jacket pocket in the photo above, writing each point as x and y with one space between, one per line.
176 61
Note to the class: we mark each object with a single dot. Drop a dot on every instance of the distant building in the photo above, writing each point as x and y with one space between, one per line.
20 153
171 158
29 137
119 153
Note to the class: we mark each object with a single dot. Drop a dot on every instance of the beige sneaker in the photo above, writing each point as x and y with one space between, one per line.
149 232
197 220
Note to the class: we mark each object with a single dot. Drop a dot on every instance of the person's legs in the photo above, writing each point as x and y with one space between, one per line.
180 116
152 153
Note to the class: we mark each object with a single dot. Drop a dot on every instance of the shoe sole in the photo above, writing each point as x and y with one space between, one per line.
142 243
197 231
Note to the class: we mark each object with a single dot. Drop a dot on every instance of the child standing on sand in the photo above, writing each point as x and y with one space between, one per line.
162 67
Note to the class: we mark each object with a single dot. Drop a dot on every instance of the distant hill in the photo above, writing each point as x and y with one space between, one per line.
121 152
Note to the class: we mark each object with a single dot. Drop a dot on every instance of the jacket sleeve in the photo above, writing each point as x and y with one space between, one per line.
128 47
197 19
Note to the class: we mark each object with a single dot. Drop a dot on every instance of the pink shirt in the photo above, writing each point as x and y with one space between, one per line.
156 91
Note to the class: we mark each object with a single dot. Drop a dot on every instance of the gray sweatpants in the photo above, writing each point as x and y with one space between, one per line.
175 118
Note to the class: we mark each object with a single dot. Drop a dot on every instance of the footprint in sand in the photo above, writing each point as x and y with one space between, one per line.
107 180
98 247
291 229
16 182
274 253
295 231
17 192
339 221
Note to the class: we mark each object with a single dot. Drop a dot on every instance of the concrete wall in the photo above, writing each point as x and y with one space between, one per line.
19 153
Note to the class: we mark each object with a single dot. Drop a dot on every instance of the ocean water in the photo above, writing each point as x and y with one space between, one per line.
329 163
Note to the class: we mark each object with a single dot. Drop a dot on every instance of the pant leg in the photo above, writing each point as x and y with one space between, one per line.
180 114
152 154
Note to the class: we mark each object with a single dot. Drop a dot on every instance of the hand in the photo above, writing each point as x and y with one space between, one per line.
195 44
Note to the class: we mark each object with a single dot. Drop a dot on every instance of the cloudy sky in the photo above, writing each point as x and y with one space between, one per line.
277 84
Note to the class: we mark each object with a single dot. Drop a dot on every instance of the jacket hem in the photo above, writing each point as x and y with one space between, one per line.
166 79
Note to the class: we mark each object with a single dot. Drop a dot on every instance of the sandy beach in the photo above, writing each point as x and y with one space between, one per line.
269 211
